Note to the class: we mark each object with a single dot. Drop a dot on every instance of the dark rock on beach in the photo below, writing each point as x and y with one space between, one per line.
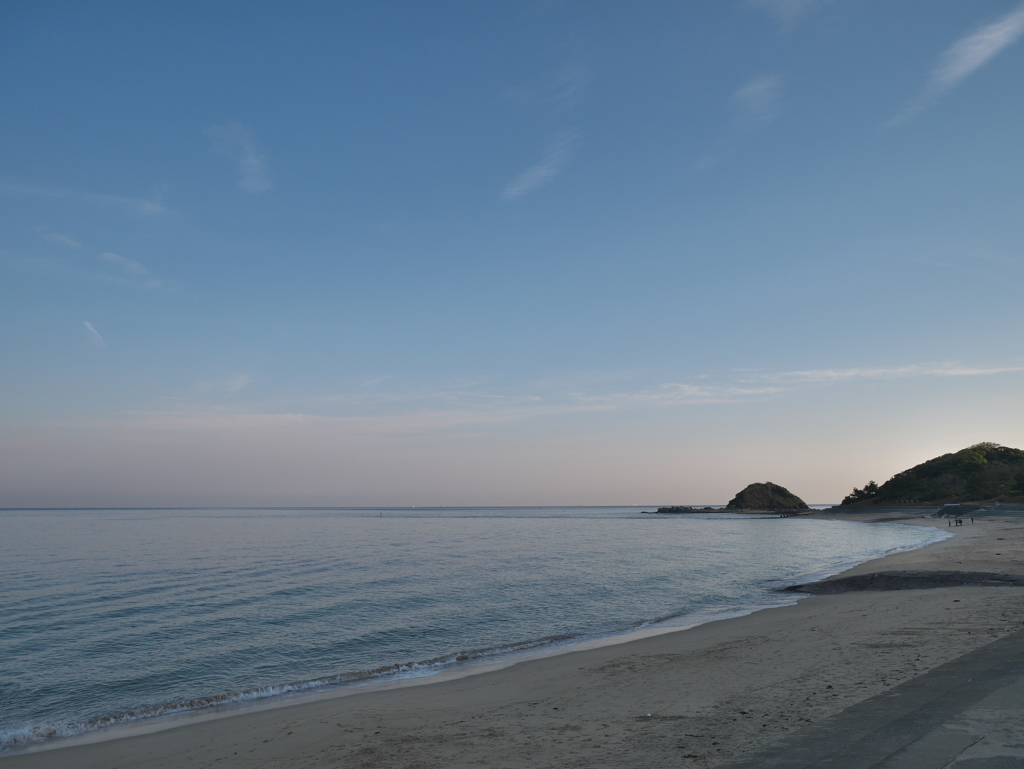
907 580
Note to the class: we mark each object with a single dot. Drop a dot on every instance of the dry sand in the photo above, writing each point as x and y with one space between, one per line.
712 692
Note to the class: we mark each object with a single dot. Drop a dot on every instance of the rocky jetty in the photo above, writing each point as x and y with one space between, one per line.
682 510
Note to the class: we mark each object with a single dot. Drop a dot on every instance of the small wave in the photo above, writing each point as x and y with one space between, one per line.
33 734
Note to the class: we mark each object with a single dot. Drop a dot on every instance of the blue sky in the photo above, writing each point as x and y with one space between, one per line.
539 252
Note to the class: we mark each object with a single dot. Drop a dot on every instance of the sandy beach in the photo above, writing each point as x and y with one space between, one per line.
695 697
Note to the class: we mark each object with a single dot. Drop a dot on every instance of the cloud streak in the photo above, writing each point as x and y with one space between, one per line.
465 410
236 142
677 394
570 83
227 386
558 151
94 335
900 372
128 265
963 58
786 12
150 206
60 240
756 104
759 101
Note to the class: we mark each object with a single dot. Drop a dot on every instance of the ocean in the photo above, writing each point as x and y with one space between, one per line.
114 616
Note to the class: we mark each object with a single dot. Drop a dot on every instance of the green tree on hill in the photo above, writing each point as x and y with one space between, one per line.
979 472
870 491
1018 485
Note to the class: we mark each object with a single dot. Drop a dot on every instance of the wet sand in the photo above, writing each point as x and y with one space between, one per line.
690 698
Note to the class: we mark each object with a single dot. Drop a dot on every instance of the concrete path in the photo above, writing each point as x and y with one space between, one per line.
966 714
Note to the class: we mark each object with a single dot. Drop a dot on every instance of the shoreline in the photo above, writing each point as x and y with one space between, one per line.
414 673
512 703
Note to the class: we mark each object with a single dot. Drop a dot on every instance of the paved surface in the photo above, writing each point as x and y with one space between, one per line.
966 714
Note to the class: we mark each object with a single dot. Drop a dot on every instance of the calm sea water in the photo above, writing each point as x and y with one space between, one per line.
108 616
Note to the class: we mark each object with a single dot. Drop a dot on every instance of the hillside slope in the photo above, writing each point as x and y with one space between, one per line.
983 472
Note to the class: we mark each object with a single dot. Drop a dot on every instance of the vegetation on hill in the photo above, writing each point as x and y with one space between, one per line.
978 473
766 496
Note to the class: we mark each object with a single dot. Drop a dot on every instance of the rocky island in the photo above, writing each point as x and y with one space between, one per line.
767 496
756 498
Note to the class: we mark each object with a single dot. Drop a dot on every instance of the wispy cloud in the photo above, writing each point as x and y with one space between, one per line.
759 101
434 410
106 268
756 104
128 265
60 240
236 142
569 84
94 335
236 419
461 408
786 11
228 385
558 150
565 89
677 394
150 206
963 58
899 372
463 411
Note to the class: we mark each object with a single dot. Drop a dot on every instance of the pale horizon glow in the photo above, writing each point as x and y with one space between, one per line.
504 254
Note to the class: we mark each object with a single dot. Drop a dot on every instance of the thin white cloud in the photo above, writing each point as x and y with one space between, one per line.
236 142
60 240
963 58
899 372
150 206
466 409
128 265
756 104
759 101
786 11
472 413
558 150
676 394
564 89
235 383
94 335
229 385
224 419
570 83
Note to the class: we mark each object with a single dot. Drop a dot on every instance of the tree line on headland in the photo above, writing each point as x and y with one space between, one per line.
980 473
984 472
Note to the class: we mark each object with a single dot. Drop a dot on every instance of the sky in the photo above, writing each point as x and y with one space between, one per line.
387 253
